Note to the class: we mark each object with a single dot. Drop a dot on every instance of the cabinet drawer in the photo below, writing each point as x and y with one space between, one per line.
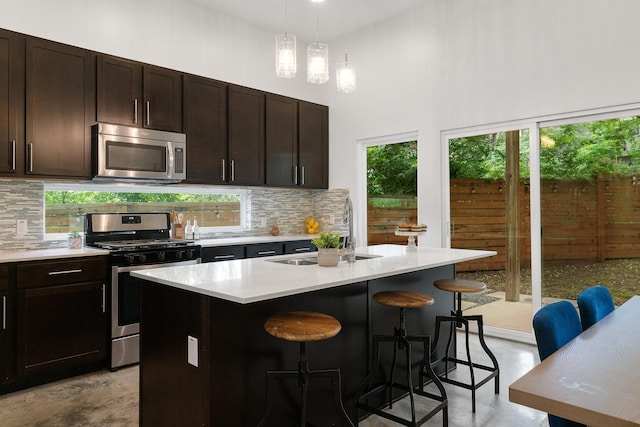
222 253
74 270
7 277
264 249
299 246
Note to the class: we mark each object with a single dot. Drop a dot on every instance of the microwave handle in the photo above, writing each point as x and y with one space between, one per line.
170 158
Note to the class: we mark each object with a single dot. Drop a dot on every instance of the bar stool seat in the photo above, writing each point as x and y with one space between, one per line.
303 327
402 341
458 287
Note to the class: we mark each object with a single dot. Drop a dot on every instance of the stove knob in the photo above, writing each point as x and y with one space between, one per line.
142 257
129 258
190 254
161 256
179 254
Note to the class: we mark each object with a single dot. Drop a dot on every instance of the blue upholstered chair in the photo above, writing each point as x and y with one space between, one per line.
555 325
594 303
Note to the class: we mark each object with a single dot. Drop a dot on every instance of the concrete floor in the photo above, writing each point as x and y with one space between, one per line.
111 398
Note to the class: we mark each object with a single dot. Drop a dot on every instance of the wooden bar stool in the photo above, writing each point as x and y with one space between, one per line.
303 327
459 286
402 341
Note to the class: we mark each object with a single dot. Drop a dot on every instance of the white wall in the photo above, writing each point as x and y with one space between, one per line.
459 63
176 34
449 64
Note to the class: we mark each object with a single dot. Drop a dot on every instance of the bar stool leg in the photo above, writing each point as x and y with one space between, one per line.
303 382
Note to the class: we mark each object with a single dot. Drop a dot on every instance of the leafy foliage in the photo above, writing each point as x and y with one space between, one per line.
327 240
574 151
392 169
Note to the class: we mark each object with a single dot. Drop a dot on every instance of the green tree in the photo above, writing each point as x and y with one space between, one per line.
392 169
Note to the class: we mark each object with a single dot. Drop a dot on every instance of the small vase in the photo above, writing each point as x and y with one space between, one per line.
275 230
328 257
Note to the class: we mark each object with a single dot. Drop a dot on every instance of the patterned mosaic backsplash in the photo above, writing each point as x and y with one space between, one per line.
289 207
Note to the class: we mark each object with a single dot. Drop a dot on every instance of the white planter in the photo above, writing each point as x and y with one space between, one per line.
328 257
74 243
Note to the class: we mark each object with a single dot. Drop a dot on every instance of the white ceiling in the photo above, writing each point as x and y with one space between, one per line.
301 14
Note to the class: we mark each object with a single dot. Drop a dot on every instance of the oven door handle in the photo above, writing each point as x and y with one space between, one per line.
126 269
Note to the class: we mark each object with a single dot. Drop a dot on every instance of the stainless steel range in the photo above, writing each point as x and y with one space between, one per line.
137 241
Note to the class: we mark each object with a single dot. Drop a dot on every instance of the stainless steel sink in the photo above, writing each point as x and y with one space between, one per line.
296 261
314 260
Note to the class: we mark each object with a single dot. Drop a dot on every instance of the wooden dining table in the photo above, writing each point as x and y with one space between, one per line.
595 378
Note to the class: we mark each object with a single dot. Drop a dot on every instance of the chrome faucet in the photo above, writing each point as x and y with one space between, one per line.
349 241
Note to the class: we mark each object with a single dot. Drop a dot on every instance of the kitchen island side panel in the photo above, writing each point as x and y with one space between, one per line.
228 387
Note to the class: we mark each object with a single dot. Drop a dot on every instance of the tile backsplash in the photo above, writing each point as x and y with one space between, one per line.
289 207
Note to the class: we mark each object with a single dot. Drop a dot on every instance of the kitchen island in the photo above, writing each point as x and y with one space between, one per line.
204 351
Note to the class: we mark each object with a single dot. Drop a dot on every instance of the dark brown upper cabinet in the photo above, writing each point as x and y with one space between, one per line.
12 47
60 106
134 94
205 123
281 141
313 145
246 136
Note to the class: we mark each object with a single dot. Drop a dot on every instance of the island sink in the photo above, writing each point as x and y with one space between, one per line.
312 260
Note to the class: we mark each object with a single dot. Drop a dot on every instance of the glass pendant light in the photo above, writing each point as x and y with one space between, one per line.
345 69
317 59
345 75
286 52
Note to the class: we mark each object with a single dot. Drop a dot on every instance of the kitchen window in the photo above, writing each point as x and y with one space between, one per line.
217 210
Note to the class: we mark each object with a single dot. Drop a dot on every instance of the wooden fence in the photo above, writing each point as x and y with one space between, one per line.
581 220
63 218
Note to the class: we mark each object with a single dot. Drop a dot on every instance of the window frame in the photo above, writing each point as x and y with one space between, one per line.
137 188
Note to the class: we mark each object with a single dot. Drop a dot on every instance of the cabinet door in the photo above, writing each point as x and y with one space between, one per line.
60 326
119 91
299 246
264 249
246 136
11 103
60 109
7 327
313 145
222 253
162 93
281 141
205 123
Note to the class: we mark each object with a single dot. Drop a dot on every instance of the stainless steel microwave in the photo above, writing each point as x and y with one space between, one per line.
124 153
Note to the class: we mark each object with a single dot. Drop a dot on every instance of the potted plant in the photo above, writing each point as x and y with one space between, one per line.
75 240
328 245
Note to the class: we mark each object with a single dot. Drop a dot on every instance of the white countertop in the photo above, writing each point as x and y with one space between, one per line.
42 254
259 279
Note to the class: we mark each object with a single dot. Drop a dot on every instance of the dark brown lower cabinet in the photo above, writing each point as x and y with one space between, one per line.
60 315
60 326
7 327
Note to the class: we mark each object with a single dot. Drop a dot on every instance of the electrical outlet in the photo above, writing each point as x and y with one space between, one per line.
332 219
21 228
263 222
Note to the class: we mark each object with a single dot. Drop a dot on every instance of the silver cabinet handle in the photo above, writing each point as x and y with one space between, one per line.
4 312
57 273
224 172
135 111
272 252
233 170
13 154
295 175
30 155
302 175
303 249
224 256
148 113
104 297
